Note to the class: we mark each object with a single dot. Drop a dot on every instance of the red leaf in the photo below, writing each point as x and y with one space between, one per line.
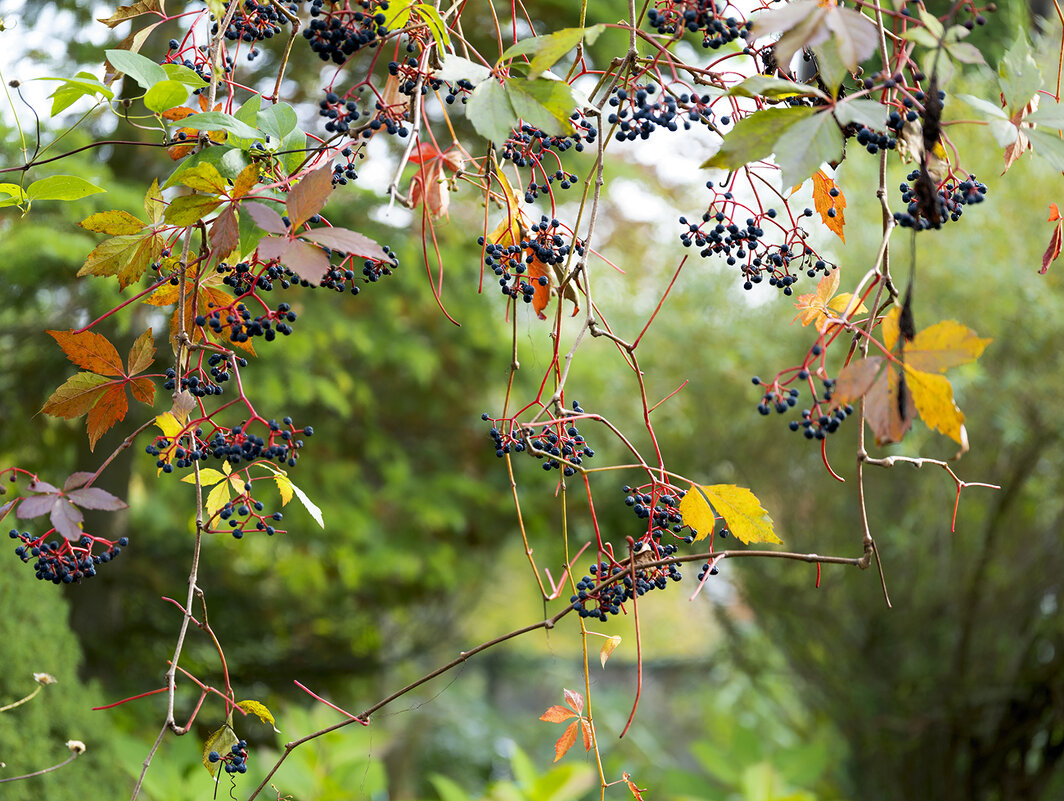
557 714
96 498
273 247
1053 250
225 233
350 242
308 197
585 727
265 218
110 409
575 700
89 351
425 151
537 270
565 742
67 519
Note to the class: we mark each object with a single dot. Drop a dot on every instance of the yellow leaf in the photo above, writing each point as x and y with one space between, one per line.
218 497
260 711
944 345
204 177
889 327
169 425
510 230
249 176
114 223
742 512
284 486
608 648
817 306
154 204
933 396
697 514
207 476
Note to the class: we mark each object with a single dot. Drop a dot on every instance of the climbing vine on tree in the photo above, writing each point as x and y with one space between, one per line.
518 122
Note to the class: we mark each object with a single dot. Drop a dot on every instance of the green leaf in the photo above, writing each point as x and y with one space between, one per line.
15 194
774 88
62 187
278 121
260 711
544 104
294 146
165 95
73 89
456 68
1000 125
806 145
1018 74
490 111
831 68
754 137
966 53
142 70
221 740
448 789
435 22
190 209
1047 145
218 121
546 51
182 74
920 36
1050 114
934 27
229 161
863 112
741 510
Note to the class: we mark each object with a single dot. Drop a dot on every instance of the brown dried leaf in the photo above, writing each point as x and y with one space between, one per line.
308 197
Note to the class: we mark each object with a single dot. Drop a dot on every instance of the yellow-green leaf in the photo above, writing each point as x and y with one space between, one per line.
697 514
260 711
169 425
284 486
154 204
742 512
204 177
190 209
221 740
113 223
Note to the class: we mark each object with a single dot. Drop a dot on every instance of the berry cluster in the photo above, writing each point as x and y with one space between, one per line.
639 113
236 761
255 22
527 145
523 267
409 74
65 562
596 601
698 16
950 199
338 34
340 112
659 506
232 445
239 324
816 423
873 141
553 442
745 246
244 511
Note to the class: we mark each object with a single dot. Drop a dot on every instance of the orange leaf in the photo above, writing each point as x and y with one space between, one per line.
825 203
557 714
631 786
537 272
818 306
585 727
1054 212
575 700
110 409
143 390
90 351
565 742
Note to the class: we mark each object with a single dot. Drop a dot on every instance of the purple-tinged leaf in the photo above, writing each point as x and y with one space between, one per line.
67 519
265 218
75 480
42 486
96 498
7 508
308 197
273 247
350 242
306 261
35 506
